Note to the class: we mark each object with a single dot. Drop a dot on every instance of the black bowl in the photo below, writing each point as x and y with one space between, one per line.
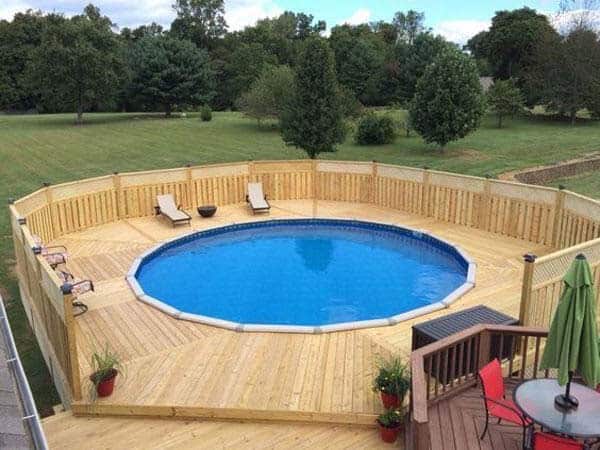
207 211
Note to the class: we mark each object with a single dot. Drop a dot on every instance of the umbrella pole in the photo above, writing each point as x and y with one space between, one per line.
566 400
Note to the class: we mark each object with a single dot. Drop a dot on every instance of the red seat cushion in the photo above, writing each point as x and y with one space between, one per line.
509 412
546 441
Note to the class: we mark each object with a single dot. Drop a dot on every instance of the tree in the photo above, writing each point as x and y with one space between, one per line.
505 99
511 41
78 61
414 59
268 94
567 73
449 102
18 40
359 55
169 72
200 21
409 25
313 118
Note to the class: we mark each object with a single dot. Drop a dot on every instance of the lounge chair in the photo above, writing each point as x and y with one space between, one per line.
78 287
257 199
166 207
54 255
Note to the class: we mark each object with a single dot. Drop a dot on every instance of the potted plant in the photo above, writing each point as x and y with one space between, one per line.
392 382
389 425
105 365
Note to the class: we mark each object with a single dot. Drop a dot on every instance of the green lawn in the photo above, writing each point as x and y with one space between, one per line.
586 183
37 149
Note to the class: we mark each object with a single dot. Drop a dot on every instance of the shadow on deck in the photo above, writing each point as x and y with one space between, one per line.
456 424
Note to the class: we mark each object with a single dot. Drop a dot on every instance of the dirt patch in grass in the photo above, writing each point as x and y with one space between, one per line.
469 154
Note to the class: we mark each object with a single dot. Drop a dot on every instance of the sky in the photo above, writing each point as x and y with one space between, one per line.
457 20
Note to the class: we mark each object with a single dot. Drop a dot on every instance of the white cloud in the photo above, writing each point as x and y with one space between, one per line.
243 13
8 8
460 31
361 15
563 22
238 13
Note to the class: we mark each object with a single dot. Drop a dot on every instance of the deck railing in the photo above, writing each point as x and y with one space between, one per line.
539 215
447 367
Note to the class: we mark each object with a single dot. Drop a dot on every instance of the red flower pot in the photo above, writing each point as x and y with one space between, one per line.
390 401
105 387
389 435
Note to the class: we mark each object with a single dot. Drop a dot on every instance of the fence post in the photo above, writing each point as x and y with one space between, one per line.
558 213
50 201
74 375
484 214
526 290
315 187
188 175
117 186
373 193
426 183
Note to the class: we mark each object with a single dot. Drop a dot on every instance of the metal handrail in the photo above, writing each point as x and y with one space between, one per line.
31 416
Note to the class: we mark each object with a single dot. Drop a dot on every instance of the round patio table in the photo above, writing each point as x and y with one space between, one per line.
536 399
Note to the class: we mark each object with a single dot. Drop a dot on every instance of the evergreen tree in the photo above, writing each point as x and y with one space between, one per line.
449 101
313 118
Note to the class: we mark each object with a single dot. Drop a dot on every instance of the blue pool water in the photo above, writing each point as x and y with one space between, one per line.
302 272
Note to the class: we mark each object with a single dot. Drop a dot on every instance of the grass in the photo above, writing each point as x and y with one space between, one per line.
37 149
586 183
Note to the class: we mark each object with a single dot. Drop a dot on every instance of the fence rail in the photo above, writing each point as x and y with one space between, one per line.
540 215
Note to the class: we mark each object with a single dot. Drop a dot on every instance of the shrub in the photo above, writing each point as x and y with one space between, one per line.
206 113
375 129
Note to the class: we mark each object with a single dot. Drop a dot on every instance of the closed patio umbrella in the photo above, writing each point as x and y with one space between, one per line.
572 344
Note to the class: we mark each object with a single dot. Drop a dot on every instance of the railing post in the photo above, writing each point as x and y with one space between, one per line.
526 289
559 207
117 186
485 341
69 319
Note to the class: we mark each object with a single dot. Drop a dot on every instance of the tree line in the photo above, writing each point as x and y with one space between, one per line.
53 63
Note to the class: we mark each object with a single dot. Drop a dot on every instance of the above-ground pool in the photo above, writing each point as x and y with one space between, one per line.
305 275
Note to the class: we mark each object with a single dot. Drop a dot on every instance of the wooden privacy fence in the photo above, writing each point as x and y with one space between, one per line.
540 215
49 311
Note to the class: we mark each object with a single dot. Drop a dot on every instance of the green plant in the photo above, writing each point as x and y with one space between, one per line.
393 378
392 418
375 129
206 113
448 103
104 365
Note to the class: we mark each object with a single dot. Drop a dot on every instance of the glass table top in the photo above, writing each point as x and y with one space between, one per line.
536 399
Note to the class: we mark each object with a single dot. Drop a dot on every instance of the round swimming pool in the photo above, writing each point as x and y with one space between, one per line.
305 275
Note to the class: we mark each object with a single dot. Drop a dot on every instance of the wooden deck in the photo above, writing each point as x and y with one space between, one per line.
457 424
66 432
178 368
